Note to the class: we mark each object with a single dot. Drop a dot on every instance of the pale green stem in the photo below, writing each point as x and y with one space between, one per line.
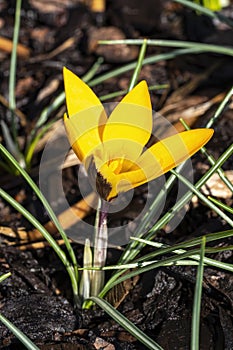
100 247
85 283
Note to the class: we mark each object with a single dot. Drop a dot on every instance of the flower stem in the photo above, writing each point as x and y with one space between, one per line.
100 247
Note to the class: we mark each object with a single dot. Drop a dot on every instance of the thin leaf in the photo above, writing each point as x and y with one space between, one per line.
12 76
177 249
45 203
173 43
46 235
138 67
203 198
220 109
126 324
20 335
221 205
195 330
5 276
147 60
124 92
212 161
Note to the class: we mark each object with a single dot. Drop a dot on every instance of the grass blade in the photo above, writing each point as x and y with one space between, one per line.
197 300
147 60
203 198
45 203
138 67
126 324
20 335
200 47
12 77
221 205
212 161
5 276
47 236
220 109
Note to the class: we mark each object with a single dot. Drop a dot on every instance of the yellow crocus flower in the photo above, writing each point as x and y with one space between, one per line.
113 149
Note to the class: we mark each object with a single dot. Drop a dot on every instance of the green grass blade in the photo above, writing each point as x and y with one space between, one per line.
138 67
124 92
220 109
200 47
221 205
5 276
12 76
195 329
163 249
59 100
203 198
212 161
123 275
147 60
20 335
143 263
46 235
45 203
33 142
93 70
126 324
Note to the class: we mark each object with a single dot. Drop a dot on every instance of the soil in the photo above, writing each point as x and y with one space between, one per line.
37 297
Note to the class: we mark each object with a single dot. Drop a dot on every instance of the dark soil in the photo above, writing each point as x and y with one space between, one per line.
37 298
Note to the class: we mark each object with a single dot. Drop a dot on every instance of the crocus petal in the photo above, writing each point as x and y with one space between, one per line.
131 120
86 116
170 152
78 94
83 130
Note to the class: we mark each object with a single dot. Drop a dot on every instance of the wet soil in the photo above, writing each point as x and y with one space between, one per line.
37 298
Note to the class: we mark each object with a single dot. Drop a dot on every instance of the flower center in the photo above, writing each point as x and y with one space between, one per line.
115 165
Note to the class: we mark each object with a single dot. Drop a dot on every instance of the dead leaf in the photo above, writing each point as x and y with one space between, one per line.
6 45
